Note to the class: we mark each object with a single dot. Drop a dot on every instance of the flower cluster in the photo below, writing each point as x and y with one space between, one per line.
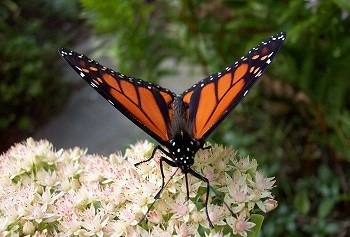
44 192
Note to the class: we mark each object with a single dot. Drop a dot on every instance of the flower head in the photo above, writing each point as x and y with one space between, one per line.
240 225
73 193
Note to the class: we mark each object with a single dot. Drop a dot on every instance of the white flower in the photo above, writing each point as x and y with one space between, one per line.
72 193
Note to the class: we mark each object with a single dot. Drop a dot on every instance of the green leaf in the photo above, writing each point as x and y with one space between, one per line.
302 202
325 207
258 220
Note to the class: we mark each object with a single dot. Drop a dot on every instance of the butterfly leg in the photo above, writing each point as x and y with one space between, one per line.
169 162
151 157
163 177
187 189
201 177
227 206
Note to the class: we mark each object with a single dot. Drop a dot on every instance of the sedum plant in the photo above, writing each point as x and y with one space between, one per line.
71 193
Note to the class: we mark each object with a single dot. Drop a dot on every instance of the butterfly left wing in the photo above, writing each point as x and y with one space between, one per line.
145 104
213 98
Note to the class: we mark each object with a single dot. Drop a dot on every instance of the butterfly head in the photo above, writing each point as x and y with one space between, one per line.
183 148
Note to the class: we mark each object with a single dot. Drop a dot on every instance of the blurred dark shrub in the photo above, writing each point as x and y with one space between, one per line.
299 128
30 87
140 33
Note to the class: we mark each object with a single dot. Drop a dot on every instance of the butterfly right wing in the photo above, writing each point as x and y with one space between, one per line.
212 99
147 105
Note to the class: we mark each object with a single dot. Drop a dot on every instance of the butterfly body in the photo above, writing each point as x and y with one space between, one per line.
183 149
183 122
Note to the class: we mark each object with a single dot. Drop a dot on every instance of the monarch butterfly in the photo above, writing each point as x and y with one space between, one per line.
181 123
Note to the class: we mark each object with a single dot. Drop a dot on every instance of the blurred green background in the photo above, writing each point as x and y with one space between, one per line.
296 122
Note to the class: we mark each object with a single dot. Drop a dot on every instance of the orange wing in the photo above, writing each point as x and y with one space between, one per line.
213 98
145 104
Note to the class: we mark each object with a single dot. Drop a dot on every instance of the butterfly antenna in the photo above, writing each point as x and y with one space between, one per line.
158 194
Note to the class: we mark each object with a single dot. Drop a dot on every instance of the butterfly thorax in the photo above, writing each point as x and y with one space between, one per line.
182 148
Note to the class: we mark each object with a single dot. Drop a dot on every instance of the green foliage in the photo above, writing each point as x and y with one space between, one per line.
320 70
300 125
309 207
258 221
30 88
142 39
